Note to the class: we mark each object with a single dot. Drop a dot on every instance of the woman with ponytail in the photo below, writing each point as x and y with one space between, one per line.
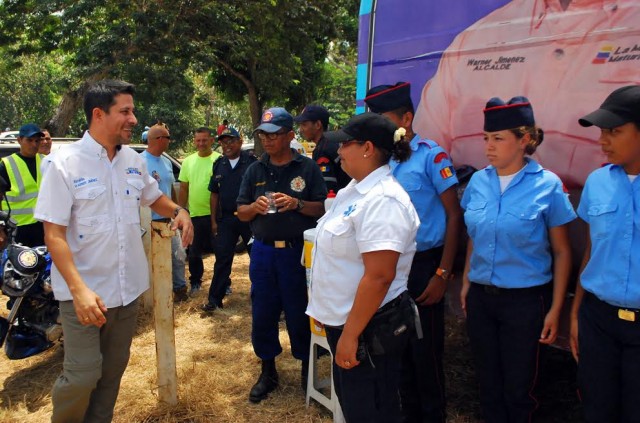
518 261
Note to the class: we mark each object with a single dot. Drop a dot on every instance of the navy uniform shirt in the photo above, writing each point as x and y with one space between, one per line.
300 178
225 181
326 157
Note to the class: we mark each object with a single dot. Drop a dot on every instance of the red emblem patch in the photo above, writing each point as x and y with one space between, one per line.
440 157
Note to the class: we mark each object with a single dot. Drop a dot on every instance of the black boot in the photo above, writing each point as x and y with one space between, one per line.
304 375
267 382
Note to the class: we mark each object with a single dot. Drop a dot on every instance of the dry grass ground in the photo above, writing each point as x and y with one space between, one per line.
217 367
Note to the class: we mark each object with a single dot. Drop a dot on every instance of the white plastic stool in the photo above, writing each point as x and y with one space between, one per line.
319 339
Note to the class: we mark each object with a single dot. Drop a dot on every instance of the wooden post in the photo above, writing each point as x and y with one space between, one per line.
145 223
163 311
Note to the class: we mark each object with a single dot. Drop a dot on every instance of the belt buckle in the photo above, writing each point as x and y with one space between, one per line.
628 315
279 244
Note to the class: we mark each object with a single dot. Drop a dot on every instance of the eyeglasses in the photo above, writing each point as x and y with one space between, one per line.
271 136
228 141
343 144
167 137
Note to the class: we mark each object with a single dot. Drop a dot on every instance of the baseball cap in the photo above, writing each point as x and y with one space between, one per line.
274 119
229 132
499 115
313 112
368 127
620 107
385 98
30 130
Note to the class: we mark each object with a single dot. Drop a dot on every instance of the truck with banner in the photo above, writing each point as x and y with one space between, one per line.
566 56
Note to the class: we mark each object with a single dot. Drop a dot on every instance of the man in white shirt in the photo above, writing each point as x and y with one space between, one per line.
90 197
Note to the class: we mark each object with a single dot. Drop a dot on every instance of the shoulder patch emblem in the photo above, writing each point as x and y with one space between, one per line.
440 157
447 172
298 184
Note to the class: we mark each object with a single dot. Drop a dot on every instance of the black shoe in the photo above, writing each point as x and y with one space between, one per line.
304 375
208 307
180 295
267 382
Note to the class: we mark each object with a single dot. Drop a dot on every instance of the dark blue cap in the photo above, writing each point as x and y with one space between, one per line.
368 127
229 132
313 113
385 98
499 115
275 119
30 130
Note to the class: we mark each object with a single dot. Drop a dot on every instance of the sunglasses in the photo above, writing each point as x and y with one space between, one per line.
164 136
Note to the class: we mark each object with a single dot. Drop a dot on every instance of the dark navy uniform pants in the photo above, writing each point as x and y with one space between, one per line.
203 241
278 282
229 229
504 327
609 365
422 386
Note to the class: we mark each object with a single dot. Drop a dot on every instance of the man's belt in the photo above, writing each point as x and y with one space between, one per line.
281 243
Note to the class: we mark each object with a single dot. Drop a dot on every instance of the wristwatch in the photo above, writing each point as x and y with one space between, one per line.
177 210
300 205
444 274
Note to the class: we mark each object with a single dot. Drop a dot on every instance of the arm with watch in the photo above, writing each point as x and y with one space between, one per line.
286 202
437 286
180 215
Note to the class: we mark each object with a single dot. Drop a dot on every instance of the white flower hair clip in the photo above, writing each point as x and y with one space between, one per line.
399 134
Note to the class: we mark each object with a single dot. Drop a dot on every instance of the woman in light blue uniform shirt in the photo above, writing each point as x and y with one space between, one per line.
606 309
518 261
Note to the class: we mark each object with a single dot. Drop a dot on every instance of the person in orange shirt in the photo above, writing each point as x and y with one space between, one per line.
564 55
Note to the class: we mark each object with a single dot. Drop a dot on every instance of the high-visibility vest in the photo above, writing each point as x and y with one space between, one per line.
24 189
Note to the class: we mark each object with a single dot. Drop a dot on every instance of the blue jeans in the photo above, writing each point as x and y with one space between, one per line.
278 282
177 265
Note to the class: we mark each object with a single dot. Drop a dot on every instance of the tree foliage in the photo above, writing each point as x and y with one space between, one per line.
253 52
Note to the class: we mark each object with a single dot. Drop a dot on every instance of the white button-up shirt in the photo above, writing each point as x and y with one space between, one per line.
98 200
375 214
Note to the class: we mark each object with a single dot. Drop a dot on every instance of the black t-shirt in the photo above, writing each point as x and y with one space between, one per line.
300 178
225 181
5 182
326 157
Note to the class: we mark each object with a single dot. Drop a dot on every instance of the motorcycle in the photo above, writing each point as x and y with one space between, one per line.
33 323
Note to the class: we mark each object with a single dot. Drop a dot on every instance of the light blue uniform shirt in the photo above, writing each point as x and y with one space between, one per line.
510 231
161 170
610 204
427 174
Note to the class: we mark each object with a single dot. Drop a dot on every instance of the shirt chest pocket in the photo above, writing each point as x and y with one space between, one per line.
341 236
601 219
88 200
475 215
132 192
91 225
521 224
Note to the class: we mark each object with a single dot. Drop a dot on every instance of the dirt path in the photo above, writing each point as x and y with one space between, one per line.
217 367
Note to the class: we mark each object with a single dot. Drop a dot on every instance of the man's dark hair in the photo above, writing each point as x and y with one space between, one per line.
102 95
203 129
225 122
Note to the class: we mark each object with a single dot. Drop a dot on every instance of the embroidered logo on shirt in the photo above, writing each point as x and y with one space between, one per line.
440 157
155 175
349 210
80 182
446 172
133 171
298 184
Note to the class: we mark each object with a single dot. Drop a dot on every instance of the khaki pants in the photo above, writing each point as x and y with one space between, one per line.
94 361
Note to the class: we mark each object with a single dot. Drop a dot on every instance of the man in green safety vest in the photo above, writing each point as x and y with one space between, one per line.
19 185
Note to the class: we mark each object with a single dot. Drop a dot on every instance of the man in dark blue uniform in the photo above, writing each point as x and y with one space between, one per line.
314 122
278 280
224 186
